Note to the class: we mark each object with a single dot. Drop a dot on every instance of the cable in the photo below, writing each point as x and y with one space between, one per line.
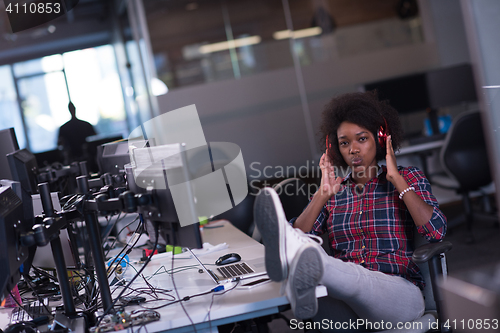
118 219
140 226
119 232
175 287
177 270
133 279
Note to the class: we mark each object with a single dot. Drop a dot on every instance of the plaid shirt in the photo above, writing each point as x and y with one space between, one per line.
372 227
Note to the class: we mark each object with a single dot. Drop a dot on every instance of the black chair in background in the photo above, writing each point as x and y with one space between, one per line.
293 193
241 216
465 159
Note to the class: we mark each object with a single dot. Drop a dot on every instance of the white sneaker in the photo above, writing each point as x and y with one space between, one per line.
305 273
282 242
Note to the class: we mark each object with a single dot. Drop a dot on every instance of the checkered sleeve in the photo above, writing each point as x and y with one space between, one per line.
320 223
435 229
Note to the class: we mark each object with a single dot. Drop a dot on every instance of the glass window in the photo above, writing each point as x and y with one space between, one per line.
233 39
9 107
45 104
37 66
227 40
95 89
89 76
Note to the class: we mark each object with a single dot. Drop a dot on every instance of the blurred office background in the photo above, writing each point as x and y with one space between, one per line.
259 71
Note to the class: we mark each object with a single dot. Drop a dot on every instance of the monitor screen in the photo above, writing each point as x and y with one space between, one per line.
8 144
406 94
162 211
111 157
90 149
12 225
24 169
451 86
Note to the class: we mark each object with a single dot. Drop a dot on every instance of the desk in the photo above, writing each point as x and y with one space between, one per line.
422 150
236 305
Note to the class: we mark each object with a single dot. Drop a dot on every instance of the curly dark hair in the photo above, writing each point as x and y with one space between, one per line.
363 109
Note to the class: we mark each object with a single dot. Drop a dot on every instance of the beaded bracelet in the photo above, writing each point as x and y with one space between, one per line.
411 188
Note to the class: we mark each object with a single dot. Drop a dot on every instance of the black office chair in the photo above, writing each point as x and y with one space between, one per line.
294 197
465 159
241 216
430 258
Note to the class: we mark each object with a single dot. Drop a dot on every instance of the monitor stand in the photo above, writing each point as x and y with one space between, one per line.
433 118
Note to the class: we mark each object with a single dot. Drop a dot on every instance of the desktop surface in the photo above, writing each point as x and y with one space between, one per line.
206 312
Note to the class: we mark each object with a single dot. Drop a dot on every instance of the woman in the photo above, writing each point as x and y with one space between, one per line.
369 214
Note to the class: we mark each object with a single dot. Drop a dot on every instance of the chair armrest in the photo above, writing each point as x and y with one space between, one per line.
425 252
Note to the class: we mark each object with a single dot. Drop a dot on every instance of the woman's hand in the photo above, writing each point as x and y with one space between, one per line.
392 167
329 184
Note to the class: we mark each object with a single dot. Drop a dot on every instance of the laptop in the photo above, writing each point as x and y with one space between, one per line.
236 271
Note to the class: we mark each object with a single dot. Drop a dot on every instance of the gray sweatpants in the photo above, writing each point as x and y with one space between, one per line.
355 292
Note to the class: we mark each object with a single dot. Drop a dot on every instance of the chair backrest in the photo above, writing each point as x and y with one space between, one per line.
241 215
293 193
464 153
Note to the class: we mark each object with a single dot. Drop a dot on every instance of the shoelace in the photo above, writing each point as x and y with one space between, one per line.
302 237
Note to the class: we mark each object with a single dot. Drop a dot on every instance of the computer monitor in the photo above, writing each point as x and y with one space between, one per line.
24 169
162 211
111 157
8 144
451 86
12 226
406 94
90 149
49 157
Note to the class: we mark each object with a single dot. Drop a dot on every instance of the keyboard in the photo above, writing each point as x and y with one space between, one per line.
30 311
233 270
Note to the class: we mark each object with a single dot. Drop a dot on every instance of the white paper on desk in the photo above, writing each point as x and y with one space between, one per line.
207 248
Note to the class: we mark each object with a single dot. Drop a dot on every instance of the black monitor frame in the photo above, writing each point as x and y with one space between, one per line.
112 157
8 144
162 212
24 169
437 88
407 94
12 226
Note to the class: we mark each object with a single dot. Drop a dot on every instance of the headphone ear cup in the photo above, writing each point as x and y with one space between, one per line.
382 137
329 151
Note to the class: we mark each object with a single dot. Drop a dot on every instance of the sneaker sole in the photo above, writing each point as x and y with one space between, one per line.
267 220
305 273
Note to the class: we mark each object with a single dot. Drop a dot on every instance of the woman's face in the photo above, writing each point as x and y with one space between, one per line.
357 146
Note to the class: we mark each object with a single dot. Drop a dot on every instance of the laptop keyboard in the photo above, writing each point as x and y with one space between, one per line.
230 271
30 311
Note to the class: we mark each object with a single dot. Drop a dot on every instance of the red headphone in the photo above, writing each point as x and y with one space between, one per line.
382 134
328 147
